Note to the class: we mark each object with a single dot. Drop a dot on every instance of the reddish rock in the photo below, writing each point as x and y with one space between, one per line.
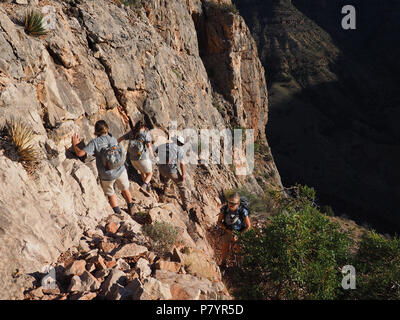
130 250
49 291
181 293
37 293
111 264
168 265
108 246
77 267
112 227
99 263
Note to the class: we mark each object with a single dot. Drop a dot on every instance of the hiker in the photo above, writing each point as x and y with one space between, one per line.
232 217
110 160
170 154
141 152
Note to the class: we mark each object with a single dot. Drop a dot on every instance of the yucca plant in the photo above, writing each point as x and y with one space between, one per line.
22 139
34 23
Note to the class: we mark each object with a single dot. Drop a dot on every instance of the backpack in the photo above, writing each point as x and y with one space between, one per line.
136 148
171 165
244 204
112 157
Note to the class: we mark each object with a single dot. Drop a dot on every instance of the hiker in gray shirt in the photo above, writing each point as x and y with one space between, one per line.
141 153
107 176
170 155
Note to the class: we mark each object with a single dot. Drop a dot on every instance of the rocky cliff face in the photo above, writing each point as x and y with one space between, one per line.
107 61
332 99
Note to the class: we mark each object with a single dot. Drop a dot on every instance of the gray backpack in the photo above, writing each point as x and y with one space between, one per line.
112 157
137 148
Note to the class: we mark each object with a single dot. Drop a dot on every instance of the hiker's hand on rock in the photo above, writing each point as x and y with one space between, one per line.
75 139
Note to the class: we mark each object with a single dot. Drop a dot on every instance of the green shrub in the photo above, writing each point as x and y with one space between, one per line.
34 24
377 265
298 256
162 235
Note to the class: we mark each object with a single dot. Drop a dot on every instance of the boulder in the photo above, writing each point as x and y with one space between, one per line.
112 227
76 267
113 279
75 285
122 264
168 265
150 289
143 267
89 282
130 250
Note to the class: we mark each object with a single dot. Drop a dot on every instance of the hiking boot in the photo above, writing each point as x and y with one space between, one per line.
145 188
131 209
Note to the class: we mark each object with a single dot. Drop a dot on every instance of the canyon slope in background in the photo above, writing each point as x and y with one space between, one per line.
187 61
334 100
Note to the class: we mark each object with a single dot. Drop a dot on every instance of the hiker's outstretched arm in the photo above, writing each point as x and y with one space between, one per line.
75 141
122 138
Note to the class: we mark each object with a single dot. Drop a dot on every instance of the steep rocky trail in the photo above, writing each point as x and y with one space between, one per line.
115 261
107 61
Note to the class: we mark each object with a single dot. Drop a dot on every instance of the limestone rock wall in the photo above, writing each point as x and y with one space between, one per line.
107 61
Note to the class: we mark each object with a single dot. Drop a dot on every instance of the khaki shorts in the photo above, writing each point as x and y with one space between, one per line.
144 166
122 182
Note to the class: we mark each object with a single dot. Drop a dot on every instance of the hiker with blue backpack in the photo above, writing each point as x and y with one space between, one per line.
233 217
141 152
110 159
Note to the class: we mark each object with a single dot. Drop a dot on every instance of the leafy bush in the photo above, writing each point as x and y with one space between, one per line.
298 256
34 24
377 265
162 235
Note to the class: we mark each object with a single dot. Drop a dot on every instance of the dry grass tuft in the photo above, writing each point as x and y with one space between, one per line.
34 24
19 144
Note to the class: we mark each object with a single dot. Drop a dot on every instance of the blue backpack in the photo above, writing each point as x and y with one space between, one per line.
244 204
112 157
